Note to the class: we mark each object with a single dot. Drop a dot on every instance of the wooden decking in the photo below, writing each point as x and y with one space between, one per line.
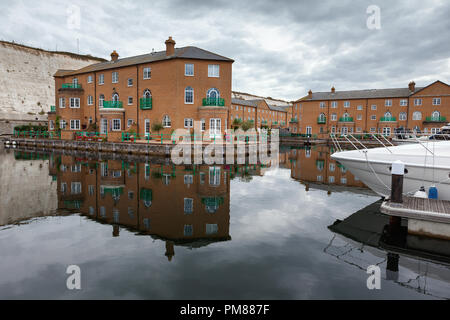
419 208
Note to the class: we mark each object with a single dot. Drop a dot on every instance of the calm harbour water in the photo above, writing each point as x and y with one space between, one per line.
305 229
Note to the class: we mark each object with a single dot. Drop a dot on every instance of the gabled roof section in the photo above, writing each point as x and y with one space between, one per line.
431 84
180 53
278 108
249 103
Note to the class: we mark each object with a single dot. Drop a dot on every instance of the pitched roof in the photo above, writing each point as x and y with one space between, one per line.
250 103
362 94
278 108
183 53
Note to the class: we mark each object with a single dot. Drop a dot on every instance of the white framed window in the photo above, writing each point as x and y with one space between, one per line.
101 79
62 102
189 69
188 122
166 122
189 95
333 117
63 187
417 115
74 124
130 101
417 102
213 70
403 102
214 176
388 103
211 228
343 180
322 105
52 124
373 129
188 230
188 205
402 116
373 107
75 82
116 125
76 168
373 117
331 179
89 79
359 117
386 131
360 107
334 104
147 73
91 189
188 179
90 100
115 77
129 122
130 82
100 100
203 123
75 188
74 102
346 104
62 124
436 101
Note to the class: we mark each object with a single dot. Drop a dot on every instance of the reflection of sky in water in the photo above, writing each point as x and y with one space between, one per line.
278 230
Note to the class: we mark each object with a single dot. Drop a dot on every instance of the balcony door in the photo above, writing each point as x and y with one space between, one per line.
147 127
104 126
214 127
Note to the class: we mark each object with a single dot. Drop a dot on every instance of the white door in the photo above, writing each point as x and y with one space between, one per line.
386 131
214 127
104 126
309 130
147 127
344 130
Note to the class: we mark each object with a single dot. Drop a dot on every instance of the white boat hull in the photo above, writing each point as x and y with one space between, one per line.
422 168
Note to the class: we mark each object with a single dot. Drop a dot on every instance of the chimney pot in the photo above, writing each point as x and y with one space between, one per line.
170 46
114 56
412 86
333 90
310 93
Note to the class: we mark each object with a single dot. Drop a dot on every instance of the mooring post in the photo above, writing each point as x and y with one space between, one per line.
398 170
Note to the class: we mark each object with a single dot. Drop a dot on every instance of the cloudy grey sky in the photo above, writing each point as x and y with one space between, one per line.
281 48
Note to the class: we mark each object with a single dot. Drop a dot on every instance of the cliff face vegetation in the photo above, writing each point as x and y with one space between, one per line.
26 79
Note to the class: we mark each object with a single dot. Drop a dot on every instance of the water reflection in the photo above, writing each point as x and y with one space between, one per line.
281 245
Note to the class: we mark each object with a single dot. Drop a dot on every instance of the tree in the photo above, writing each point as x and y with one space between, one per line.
236 123
157 126
247 125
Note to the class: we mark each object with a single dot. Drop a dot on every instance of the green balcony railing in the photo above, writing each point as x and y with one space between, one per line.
293 120
436 119
71 86
220 102
264 122
275 122
52 109
321 120
345 119
145 103
388 119
112 105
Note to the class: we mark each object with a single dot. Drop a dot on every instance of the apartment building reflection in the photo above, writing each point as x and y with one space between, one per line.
313 166
181 205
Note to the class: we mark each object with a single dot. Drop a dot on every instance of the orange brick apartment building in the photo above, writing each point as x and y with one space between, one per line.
260 112
369 111
174 87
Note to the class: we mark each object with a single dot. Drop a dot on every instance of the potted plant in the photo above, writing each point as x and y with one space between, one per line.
157 127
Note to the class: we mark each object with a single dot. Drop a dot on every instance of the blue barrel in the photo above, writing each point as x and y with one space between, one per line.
432 193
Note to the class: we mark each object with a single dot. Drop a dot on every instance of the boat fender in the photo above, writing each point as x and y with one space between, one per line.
421 193
432 193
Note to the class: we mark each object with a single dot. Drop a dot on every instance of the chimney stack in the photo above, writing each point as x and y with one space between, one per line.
310 93
170 46
114 56
412 86
333 90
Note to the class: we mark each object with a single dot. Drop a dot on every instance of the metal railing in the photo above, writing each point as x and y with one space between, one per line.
145 103
37 134
112 105
213 102
322 120
346 119
388 119
436 119
71 86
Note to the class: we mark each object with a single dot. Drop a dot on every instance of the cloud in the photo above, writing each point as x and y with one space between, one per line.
281 48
